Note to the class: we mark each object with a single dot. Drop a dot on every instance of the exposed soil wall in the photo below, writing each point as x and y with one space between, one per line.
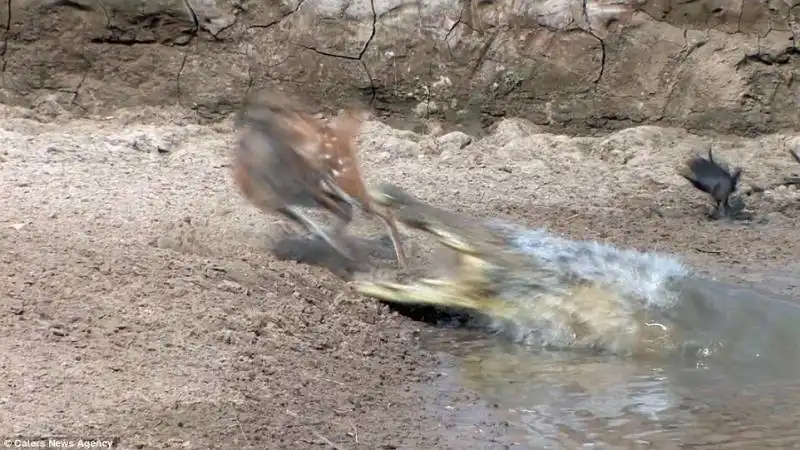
728 66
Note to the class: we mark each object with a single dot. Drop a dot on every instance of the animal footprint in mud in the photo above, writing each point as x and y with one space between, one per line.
285 159
181 237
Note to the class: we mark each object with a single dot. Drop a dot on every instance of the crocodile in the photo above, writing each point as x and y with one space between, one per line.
540 288
551 292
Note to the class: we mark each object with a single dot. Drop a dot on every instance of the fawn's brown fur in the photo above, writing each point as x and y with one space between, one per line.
286 159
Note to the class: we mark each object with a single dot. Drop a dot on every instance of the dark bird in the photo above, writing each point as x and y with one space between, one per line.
715 180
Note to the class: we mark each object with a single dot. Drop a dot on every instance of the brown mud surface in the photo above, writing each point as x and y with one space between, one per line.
140 301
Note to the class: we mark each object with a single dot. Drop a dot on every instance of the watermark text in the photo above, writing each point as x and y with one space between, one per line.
43 442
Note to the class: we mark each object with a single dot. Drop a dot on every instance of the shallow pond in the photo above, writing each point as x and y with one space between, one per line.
746 396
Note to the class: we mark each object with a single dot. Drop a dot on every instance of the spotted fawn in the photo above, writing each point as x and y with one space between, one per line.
285 159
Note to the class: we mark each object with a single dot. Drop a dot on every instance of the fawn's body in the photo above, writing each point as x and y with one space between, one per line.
285 159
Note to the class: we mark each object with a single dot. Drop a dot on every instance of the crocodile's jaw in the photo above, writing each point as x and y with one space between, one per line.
471 286
423 292
438 293
470 289
470 279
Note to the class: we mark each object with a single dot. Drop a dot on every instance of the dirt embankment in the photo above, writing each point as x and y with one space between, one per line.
727 66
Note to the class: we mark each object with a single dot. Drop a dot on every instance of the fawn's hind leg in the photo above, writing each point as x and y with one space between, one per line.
332 189
394 235
296 215
343 210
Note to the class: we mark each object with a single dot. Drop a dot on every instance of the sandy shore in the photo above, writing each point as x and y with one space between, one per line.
139 300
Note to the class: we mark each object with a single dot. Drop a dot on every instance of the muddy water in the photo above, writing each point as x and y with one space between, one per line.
746 394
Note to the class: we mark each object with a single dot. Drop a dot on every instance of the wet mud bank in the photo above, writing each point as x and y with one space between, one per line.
139 298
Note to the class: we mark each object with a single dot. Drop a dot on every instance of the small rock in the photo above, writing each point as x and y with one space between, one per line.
426 108
148 144
515 128
445 146
453 141
434 128
232 287
226 336
16 309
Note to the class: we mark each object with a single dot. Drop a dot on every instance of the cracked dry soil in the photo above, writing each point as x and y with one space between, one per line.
139 300
570 64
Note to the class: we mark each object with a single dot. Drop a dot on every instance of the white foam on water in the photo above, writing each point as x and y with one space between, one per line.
648 276
646 284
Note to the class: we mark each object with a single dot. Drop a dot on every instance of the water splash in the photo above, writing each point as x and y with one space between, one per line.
648 276
649 304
